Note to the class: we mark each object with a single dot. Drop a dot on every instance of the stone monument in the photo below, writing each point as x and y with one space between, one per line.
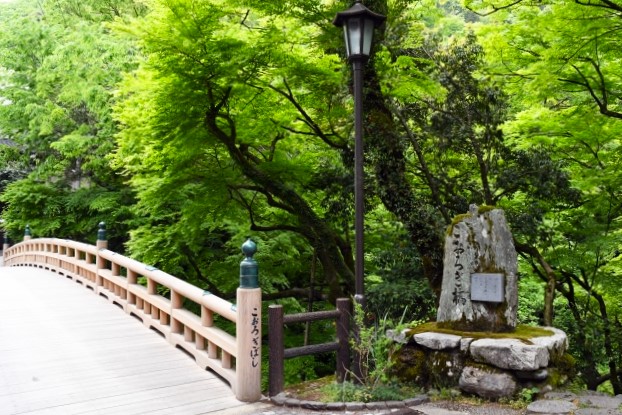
479 290
479 295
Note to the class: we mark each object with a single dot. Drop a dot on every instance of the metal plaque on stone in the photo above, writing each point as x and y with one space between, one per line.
487 288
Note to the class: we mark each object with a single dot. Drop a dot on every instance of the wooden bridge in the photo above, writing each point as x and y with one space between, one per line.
69 346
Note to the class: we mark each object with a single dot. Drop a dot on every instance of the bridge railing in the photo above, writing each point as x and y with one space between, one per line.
137 288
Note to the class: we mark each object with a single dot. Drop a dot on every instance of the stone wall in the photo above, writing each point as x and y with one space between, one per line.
490 368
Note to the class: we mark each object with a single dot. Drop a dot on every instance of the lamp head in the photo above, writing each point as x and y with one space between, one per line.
358 23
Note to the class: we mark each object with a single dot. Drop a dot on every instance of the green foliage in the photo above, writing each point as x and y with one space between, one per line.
374 349
530 301
352 392
57 86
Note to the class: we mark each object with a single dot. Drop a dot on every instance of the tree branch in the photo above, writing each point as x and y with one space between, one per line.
605 4
601 102
495 9
307 119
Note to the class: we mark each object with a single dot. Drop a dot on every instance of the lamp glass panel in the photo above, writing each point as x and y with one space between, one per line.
354 32
367 36
345 34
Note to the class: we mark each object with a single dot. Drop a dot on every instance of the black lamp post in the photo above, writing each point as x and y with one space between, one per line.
358 23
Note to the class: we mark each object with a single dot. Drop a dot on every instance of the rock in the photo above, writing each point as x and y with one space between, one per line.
557 344
606 402
595 411
465 343
395 404
565 395
279 399
509 354
437 341
313 405
479 243
376 406
397 337
432 410
417 400
335 406
292 402
486 384
355 406
533 375
551 407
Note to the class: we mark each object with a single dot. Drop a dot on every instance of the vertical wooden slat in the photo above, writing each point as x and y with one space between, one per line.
176 302
226 360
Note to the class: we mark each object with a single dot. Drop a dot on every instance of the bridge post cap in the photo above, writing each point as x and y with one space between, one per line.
101 233
249 270
27 230
249 248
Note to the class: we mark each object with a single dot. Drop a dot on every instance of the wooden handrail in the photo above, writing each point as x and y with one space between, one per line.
116 278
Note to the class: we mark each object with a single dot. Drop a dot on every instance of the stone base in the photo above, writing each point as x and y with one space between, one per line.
489 368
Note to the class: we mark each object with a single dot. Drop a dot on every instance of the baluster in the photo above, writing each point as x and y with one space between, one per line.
132 278
176 302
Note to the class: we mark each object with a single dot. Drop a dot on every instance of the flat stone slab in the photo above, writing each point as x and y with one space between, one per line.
431 410
596 411
509 354
551 407
558 342
605 402
437 341
564 395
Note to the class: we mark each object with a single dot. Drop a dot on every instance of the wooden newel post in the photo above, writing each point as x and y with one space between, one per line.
27 233
248 328
6 244
102 243
276 351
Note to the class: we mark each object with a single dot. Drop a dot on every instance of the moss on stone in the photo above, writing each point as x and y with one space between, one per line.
522 332
456 220
485 208
566 365
411 364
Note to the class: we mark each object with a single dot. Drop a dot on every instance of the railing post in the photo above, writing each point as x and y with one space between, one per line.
343 337
27 233
102 243
248 328
5 245
276 350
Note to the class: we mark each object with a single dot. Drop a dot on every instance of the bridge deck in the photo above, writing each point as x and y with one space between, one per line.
64 350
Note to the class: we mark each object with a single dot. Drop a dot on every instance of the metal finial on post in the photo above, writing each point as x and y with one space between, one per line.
101 233
27 233
101 243
249 270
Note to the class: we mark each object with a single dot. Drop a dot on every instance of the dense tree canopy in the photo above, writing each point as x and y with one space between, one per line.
188 125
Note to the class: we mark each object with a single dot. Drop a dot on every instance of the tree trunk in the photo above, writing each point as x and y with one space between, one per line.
613 369
386 154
